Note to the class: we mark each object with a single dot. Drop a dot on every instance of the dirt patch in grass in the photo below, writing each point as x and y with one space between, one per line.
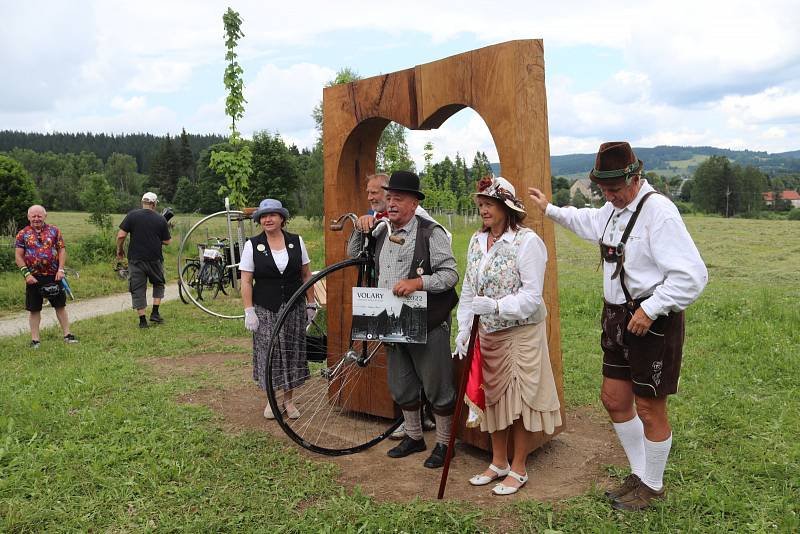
567 466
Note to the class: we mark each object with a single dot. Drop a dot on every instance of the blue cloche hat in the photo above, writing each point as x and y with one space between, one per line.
270 205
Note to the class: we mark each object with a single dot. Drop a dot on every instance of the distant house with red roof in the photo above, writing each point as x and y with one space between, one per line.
792 196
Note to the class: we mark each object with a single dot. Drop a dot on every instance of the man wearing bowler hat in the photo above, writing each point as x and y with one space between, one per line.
652 272
424 262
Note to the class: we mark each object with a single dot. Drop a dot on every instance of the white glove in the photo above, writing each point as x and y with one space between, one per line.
311 312
484 306
462 341
250 319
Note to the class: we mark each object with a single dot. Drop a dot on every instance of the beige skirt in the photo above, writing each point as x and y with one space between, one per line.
518 380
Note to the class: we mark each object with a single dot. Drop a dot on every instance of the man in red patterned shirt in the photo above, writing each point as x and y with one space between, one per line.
40 255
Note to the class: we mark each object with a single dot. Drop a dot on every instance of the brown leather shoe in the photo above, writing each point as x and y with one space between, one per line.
629 483
638 499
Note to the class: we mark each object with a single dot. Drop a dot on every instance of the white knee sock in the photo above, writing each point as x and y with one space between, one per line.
631 435
656 453
413 424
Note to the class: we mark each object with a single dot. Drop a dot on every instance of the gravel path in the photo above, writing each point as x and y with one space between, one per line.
78 310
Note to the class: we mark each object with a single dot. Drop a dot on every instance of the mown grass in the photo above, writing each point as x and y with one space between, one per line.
89 440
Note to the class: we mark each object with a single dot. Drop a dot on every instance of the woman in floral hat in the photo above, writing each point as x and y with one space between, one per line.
503 285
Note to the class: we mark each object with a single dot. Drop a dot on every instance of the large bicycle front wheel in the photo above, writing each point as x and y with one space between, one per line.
344 402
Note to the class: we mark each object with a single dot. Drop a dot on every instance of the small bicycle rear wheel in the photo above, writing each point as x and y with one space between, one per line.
208 281
344 400
190 276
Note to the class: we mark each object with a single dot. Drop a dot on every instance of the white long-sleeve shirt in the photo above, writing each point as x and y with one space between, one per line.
660 257
528 299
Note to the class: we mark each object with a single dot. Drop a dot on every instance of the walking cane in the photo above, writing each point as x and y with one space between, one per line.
462 388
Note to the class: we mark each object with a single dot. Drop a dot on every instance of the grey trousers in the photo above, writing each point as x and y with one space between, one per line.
414 367
139 273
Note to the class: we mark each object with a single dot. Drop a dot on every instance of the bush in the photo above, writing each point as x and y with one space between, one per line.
794 215
95 248
684 207
17 191
7 262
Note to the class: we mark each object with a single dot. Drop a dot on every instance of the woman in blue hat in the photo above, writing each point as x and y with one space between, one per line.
274 265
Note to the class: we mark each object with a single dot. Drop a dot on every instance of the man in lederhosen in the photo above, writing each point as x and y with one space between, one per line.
652 271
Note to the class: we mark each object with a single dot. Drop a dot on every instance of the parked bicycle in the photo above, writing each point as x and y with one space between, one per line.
207 275
343 403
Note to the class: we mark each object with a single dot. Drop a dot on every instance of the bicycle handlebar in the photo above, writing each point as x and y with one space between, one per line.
337 225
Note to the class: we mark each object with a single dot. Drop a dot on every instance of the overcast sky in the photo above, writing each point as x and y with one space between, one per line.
725 74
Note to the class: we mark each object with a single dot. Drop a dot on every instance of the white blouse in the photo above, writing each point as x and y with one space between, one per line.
281 257
532 261
660 257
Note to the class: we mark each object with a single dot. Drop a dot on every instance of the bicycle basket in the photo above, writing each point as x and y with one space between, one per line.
211 253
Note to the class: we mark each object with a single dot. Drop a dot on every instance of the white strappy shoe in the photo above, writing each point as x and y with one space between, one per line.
482 480
502 489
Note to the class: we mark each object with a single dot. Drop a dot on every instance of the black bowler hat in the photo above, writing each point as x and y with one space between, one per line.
405 181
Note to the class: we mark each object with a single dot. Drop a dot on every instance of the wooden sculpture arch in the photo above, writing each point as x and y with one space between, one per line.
504 84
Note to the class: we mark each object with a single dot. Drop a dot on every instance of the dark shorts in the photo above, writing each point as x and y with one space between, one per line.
139 273
34 299
651 362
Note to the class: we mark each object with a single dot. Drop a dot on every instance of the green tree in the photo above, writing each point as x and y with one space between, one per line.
186 195
686 191
750 184
274 171
714 184
235 165
310 178
185 157
343 75
558 182
99 199
17 192
120 171
210 181
579 200
561 197
480 166
164 170
392 153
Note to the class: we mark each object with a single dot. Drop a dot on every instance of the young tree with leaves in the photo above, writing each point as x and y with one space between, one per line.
235 165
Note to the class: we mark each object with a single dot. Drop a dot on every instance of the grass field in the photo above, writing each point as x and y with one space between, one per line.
90 441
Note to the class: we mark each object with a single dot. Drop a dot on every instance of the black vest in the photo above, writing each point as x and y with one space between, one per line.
272 288
439 304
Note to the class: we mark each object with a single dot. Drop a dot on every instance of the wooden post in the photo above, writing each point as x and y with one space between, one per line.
504 84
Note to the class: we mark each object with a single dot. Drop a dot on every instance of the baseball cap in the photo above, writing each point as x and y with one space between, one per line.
150 197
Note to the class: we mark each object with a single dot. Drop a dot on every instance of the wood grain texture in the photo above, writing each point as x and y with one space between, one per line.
504 84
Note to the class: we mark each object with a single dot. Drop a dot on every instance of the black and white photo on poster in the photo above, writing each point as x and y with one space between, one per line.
378 314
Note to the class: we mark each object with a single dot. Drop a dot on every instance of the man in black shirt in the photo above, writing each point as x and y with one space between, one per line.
149 232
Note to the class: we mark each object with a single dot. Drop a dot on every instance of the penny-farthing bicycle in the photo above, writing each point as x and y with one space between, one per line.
342 401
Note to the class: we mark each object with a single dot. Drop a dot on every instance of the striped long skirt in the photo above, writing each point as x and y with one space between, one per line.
290 367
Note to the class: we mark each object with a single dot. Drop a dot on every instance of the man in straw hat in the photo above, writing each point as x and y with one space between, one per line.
652 271
423 262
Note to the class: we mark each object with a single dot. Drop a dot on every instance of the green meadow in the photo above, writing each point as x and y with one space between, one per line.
92 440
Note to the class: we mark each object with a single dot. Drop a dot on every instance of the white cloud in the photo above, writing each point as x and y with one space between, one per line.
776 104
688 72
282 98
